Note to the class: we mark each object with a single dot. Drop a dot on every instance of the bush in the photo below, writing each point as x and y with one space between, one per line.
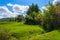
51 18
19 18
34 19
33 15
4 34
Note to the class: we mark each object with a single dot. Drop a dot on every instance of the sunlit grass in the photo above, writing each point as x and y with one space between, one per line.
21 30
54 35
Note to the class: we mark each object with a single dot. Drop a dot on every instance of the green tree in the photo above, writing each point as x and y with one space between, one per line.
49 20
58 15
19 18
32 13
33 8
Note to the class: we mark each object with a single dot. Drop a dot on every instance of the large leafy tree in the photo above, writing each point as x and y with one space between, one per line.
51 17
33 8
58 15
49 20
32 13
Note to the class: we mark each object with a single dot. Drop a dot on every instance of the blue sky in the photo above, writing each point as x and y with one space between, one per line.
25 2
12 8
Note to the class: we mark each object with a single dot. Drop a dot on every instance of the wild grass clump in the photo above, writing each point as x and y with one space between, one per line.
5 35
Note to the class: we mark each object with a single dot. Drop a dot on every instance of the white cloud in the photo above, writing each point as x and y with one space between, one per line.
9 4
55 2
44 8
20 8
17 9
4 12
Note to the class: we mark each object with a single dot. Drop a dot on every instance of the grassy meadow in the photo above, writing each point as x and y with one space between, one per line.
20 31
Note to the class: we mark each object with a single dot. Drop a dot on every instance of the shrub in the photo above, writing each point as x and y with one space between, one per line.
19 18
34 19
4 34
51 18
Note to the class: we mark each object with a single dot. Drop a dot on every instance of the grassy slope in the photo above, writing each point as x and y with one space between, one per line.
20 30
54 35
29 32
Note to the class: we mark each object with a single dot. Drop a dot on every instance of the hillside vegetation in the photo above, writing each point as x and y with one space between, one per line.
35 25
19 30
54 35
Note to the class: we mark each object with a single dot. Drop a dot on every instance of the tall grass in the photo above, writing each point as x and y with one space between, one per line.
19 31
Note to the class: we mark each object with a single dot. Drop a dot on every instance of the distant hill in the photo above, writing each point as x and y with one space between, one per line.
7 19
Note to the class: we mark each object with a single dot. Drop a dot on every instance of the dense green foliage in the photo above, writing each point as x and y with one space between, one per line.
19 18
33 16
33 8
50 18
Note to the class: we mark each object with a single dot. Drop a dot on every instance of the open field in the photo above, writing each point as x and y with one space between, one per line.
20 30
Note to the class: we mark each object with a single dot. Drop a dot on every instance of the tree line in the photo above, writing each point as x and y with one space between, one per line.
49 19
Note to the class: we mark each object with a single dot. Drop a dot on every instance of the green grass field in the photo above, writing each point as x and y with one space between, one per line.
21 31
54 35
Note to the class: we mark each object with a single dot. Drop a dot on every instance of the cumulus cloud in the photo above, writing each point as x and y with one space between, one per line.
44 8
17 9
9 4
4 12
20 8
56 2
